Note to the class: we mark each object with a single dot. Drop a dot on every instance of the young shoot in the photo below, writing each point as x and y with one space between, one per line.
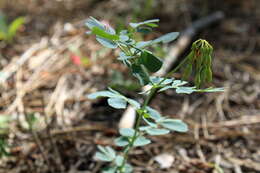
8 31
142 63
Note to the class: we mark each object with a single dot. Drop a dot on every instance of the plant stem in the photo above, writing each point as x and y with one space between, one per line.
174 70
152 93
138 123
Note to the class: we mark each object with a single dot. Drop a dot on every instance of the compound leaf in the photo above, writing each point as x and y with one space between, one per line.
185 90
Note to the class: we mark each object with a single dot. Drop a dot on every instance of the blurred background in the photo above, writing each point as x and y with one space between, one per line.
48 65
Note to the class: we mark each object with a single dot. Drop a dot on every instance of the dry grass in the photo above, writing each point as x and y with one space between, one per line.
40 78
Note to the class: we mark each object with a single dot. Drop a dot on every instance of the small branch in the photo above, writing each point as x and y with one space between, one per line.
138 123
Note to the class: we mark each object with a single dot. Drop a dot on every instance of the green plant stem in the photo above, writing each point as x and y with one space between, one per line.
174 70
152 93
138 123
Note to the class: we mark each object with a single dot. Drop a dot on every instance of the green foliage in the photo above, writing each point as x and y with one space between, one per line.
199 60
106 154
128 132
4 128
142 63
115 99
151 62
141 141
150 23
3 147
8 31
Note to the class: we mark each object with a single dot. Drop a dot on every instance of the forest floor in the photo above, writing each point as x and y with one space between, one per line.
52 65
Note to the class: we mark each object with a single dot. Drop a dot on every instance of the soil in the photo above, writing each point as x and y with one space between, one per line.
47 79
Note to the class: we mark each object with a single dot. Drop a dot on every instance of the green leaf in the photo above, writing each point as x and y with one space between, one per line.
106 154
123 38
167 37
164 39
119 160
114 91
135 25
107 43
151 62
165 88
121 141
141 141
140 73
208 74
102 149
157 80
134 103
103 157
128 132
3 36
144 30
154 114
177 83
174 124
185 90
3 24
143 44
143 128
4 148
128 168
151 124
107 150
101 33
101 94
117 103
92 22
211 90
153 25
111 152
155 131
110 170
14 26
123 56
105 35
